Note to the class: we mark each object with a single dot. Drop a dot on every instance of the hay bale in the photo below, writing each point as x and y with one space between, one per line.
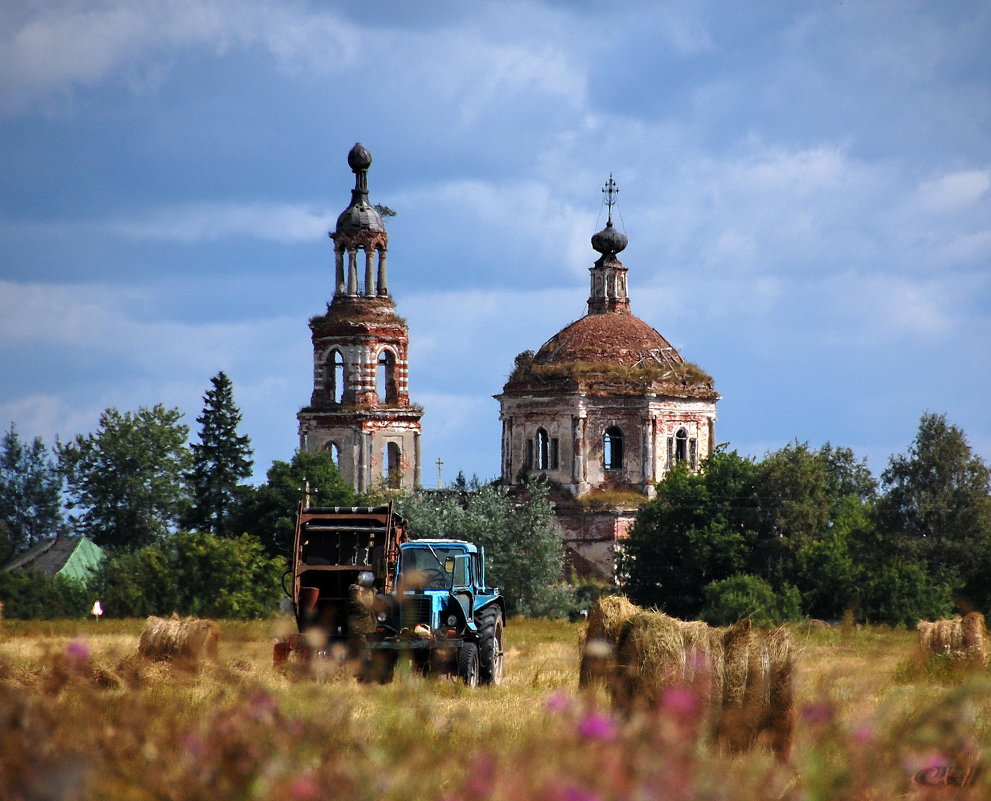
963 639
743 675
190 639
597 641
779 721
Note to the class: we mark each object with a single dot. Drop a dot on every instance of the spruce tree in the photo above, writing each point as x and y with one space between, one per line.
221 460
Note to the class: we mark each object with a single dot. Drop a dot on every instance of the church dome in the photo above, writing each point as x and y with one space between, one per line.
619 339
609 241
361 216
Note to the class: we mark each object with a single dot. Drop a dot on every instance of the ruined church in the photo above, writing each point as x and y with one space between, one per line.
602 410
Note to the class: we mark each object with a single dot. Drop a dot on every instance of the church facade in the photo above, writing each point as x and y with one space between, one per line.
603 410
360 409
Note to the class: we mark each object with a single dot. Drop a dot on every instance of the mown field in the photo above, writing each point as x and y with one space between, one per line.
81 716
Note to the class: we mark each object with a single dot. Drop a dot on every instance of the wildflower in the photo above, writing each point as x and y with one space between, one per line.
557 702
862 735
305 788
817 713
597 727
681 701
76 652
261 705
572 792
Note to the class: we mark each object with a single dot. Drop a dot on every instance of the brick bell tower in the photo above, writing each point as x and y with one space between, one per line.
360 410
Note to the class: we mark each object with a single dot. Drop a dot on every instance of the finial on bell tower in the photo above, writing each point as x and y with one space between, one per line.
610 190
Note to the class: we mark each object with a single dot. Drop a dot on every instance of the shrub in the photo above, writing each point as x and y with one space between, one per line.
27 595
744 595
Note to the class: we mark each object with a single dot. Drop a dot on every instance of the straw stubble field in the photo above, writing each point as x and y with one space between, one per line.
83 716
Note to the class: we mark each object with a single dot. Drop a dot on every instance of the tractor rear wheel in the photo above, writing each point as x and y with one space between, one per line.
490 646
468 664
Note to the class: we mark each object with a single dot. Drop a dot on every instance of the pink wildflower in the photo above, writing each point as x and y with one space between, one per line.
574 793
557 702
76 652
817 713
681 701
597 727
305 788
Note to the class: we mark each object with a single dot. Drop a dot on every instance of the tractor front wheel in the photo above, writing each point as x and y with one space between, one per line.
468 664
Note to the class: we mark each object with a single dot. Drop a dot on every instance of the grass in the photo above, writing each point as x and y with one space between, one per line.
82 717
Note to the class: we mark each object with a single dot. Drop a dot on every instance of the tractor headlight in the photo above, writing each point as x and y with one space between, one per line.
381 617
452 620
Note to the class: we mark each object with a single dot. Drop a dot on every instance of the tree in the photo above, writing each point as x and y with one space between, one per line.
700 528
935 510
804 495
523 552
30 494
221 459
744 595
127 478
268 512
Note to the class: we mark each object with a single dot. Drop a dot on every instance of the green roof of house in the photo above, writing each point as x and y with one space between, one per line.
71 557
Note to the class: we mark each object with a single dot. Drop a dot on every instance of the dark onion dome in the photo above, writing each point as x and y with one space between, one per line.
609 241
360 215
620 339
359 158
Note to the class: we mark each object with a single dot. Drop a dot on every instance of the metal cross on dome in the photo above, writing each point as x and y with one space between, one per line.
610 190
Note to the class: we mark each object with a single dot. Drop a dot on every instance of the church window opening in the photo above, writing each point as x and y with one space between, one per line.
392 473
612 446
681 446
335 453
543 450
385 384
335 376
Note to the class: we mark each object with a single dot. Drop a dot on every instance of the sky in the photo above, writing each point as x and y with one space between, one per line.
806 188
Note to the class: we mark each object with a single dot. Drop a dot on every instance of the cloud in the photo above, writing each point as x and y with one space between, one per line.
203 222
954 191
119 325
78 43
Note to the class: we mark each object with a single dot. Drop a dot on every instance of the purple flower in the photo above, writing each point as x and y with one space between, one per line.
597 727
557 702
681 700
572 792
77 652
817 713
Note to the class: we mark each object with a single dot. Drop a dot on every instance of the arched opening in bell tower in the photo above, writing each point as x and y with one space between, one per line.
612 447
385 377
392 470
335 376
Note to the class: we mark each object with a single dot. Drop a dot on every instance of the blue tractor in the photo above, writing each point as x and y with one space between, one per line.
440 614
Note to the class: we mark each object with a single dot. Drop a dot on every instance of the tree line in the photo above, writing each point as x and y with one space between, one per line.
809 532
803 532
184 532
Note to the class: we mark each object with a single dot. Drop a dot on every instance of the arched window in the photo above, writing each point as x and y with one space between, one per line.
612 448
335 376
335 452
543 461
681 446
385 377
391 471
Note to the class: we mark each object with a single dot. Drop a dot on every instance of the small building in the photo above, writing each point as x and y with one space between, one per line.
70 557
360 409
603 410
